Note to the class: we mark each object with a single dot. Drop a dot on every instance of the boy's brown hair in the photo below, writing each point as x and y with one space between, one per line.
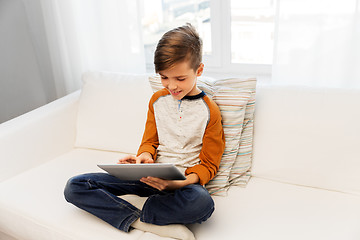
177 45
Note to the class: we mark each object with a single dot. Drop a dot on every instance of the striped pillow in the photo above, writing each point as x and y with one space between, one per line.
240 171
236 100
235 97
232 106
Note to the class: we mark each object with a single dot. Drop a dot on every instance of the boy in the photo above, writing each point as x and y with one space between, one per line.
183 127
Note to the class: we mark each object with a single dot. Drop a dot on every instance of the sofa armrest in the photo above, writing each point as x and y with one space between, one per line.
38 136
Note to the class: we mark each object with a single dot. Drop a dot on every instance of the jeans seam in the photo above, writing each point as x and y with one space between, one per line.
132 184
88 182
143 211
130 221
128 184
116 200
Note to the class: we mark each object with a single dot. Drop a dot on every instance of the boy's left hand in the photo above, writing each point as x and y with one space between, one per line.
162 184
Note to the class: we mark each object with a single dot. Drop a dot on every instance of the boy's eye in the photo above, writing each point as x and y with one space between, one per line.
163 77
181 79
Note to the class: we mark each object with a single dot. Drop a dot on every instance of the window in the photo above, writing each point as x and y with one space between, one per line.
252 31
160 16
237 34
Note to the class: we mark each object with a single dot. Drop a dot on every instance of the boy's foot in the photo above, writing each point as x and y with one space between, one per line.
177 231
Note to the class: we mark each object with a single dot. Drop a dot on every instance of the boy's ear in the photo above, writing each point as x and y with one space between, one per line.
200 70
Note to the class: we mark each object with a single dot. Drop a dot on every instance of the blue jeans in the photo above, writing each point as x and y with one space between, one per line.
97 193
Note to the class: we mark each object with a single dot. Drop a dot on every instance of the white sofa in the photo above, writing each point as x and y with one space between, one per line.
305 174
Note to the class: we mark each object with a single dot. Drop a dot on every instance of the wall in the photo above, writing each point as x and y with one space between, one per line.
23 82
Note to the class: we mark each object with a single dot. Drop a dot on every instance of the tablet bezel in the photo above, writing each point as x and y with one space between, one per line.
166 171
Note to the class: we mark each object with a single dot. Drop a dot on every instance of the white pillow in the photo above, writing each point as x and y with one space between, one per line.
112 111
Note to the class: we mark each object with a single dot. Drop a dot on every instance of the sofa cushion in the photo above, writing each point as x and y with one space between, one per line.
32 207
112 106
272 210
308 136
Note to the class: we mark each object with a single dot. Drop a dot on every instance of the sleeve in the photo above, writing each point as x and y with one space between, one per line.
150 141
213 147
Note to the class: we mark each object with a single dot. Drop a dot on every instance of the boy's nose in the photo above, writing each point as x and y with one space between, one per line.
172 85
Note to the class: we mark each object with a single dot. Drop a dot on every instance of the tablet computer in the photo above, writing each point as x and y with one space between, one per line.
166 171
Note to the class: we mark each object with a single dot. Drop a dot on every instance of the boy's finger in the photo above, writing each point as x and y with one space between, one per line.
158 181
138 160
151 183
123 162
148 160
127 159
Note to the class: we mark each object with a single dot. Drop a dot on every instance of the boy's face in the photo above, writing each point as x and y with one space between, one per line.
180 80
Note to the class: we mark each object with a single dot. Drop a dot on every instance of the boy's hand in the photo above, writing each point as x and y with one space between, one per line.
145 157
162 184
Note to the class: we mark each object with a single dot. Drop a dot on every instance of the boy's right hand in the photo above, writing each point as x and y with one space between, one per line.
145 157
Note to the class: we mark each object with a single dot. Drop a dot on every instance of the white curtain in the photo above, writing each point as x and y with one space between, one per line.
81 35
317 43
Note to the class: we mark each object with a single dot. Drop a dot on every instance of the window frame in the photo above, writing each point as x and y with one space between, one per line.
220 59
219 62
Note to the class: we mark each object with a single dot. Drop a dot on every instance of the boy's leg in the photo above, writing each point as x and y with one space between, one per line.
190 204
97 194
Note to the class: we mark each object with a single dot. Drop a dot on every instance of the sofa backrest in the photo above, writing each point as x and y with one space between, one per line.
112 111
308 136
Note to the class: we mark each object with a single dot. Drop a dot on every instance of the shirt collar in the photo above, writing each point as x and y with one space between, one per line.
200 95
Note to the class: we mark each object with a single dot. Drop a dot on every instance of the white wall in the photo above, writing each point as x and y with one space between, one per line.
25 83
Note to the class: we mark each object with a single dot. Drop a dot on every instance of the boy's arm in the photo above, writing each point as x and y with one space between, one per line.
213 147
150 141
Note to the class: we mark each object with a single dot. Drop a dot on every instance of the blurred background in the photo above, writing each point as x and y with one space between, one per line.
46 45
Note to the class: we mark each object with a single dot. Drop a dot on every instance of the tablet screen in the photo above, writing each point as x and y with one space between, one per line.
165 171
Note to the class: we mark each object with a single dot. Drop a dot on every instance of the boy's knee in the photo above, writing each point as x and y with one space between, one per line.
72 186
68 191
200 204
199 194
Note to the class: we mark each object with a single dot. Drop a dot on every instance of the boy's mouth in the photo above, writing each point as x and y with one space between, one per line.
175 93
